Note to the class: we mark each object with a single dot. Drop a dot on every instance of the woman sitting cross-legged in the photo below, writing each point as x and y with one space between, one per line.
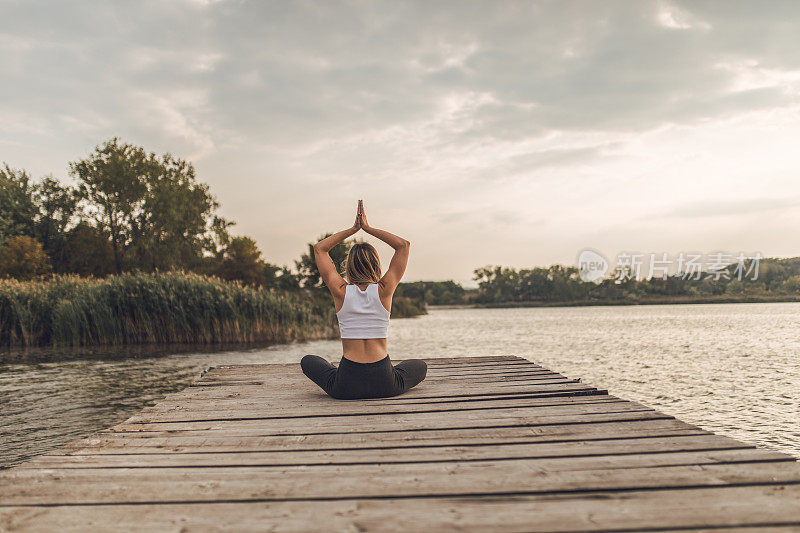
362 306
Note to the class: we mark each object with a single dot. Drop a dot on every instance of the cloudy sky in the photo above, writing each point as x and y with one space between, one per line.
485 133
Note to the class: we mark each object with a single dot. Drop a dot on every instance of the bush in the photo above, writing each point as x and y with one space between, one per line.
404 307
23 258
792 285
139 308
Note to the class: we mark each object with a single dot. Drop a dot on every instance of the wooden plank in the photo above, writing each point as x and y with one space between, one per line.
399 422
224 440
292 370
390 441
234 411
306 393
494 444
440 388
312 403
763 508
536 371
487 451
474 359
480 385
295 373
99 485
312 409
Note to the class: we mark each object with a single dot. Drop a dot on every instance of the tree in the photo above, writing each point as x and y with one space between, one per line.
157 214
792 285
242 261
735 287
497 284
23 258
17 208
433 292
112 181
56 206
88 252
280 278
177 219
307 266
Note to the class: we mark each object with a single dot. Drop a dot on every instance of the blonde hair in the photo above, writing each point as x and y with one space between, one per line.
363 264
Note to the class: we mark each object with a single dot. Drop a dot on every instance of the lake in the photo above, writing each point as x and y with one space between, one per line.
729 368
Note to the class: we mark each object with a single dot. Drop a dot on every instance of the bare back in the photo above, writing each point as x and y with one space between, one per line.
366 350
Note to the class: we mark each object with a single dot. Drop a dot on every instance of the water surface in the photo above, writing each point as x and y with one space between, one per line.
729 368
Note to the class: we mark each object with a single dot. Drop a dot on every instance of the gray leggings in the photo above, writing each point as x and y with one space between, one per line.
353 381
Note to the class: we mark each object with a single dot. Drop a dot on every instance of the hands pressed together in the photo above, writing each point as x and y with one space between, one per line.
361 218
325 245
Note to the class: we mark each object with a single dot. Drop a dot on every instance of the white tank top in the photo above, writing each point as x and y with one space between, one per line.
362 315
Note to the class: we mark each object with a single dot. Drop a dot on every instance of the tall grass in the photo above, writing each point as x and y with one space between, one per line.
139 308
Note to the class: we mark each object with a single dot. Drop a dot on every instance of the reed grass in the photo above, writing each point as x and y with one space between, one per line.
172 307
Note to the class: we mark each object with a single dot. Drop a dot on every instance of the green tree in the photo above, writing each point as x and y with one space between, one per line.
497 284
735 287
88 252
17 207
23 258
113 183
156 213
433 292
307 266
56 209
242 261
792 285
178 218
280 278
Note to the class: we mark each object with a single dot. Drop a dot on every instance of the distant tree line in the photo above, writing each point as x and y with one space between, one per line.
434 292
778 279
558 283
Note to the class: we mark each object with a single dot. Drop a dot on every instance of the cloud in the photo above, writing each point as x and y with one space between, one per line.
491 114
737 208
671 16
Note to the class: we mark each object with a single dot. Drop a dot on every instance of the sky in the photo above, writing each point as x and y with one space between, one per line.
486 133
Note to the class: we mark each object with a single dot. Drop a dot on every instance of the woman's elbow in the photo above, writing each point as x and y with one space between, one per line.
405 244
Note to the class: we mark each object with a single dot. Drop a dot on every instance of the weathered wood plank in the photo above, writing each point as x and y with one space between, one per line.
294 370
762 508
236 411
452 387
708 448
81 486
224 441
493 444
396 422
311 394
305 407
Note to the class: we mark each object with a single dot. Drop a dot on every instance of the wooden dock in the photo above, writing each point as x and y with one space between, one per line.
484 444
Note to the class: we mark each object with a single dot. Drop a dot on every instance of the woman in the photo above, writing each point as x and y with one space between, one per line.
362 306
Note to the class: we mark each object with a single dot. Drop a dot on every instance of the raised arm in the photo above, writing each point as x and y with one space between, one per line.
397 266
328 271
